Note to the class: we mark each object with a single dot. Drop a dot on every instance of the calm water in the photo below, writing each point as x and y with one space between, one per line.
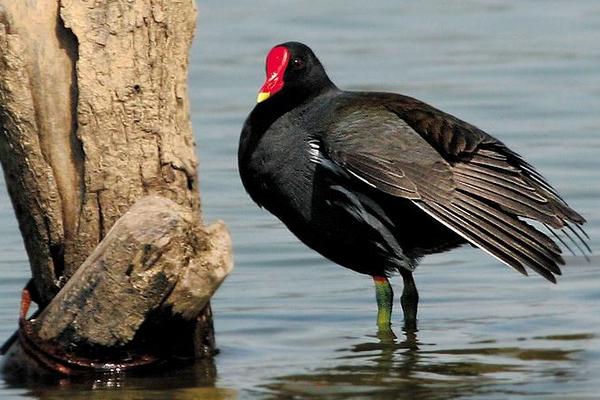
292 325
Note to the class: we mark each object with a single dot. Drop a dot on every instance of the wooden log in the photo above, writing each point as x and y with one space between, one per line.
40 153
154 256
155 270
94 115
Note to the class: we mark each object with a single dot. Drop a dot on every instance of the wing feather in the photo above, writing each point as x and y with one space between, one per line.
459 175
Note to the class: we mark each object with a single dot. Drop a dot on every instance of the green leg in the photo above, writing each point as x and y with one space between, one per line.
385 297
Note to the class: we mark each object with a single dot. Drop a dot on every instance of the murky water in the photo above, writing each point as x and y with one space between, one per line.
292 325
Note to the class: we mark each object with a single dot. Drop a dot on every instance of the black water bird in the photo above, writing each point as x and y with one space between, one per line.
375 181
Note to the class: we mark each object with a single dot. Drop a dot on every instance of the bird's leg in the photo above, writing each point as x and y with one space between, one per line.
385 297
409 301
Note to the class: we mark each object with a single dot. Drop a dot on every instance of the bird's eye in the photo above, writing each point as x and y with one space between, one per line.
297 63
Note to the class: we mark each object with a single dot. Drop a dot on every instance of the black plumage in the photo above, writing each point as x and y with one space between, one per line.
374 181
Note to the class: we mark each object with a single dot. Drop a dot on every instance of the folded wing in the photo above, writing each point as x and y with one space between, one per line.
457 174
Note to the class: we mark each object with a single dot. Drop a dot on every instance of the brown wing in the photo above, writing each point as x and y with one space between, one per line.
377 147
490 169
465 182
460 142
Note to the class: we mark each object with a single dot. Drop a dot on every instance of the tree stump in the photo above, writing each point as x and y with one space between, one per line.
94 118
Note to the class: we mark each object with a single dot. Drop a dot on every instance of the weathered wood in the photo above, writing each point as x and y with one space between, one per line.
40 154
155 266
154 256
132 110
94 115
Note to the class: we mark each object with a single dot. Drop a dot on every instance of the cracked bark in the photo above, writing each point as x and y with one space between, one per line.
94 115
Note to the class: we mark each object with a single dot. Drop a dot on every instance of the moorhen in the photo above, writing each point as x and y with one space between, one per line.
375 181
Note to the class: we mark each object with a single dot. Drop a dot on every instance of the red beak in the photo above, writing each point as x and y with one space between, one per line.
277 61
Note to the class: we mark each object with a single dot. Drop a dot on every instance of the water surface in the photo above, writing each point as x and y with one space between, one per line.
291 324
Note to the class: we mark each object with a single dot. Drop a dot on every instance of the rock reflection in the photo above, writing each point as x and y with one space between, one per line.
391 368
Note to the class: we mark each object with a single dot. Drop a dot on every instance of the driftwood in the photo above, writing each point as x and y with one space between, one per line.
94 116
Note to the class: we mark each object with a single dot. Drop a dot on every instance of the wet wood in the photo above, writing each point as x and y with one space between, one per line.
94 116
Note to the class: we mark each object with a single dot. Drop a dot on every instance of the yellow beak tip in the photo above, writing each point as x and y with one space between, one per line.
262 96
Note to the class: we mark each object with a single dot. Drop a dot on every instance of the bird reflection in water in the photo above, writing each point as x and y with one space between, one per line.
391 367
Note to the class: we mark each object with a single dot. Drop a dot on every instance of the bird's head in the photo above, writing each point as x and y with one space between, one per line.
293 69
